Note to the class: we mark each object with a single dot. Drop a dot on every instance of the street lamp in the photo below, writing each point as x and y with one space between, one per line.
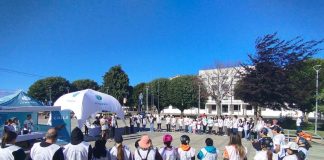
147 99
317 68
199 99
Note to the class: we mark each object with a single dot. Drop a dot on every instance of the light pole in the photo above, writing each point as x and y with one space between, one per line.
68 89
158 97
147 99
50 95
199 99
317 68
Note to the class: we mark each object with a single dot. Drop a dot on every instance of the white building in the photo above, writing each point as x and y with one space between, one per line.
223 81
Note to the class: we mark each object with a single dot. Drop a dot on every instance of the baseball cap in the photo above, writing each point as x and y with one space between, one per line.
292 146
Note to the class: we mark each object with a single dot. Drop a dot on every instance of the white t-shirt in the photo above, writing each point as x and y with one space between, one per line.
235 123
261 155
45 153
143 154
167 120
233 153
158 119
144 121
79 151
194 125
210 122
186 121
168 154
216 122
226 120
180 122
186 155
279 139
291 157
298 122
173 121
220 123
113 153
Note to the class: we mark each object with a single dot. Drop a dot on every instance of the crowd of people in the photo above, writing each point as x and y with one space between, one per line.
13 125
266 137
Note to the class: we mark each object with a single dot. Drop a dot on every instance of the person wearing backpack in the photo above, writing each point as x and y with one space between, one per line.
303 147
145 150
185 152
119 151
168 152
209 152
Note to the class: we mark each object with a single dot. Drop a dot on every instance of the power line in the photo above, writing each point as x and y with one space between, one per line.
6 70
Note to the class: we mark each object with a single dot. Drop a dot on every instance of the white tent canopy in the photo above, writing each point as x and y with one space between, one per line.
87 103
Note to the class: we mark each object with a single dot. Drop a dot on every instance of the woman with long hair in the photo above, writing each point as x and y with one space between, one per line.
119 151
235 150
100 151
8 149
266 150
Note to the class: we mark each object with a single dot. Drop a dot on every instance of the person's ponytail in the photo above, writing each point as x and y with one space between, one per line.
269 154
120 152
8 137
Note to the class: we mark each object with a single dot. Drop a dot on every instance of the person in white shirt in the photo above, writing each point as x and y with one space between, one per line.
146 150
216 125
29 123
119 151
158 121
292 151
229 126
298 123
260 124
278 143
235 125
186 123
144 122
8 149
194 126
104 127
225 124
180 122
303 147
190 125
199 125
235 150
240 127
168 152
138 122
151 120
173 123
210 124
168 123
220 125
185 152
47 149
77 148
204 122
266 150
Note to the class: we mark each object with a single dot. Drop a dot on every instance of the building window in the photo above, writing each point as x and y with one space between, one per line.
214 107
224 108
248 107
237 108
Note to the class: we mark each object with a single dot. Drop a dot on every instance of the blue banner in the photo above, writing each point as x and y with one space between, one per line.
61 120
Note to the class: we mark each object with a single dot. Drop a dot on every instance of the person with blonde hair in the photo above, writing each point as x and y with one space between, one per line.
235 150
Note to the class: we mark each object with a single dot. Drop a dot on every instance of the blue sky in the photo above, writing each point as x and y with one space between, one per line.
149 38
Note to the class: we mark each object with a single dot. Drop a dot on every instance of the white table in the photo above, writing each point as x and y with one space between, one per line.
93 132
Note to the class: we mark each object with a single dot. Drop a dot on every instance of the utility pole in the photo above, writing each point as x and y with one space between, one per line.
147 99
50 95
158 97
199 100
317 69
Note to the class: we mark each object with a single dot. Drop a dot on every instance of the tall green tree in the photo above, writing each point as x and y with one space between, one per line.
183 92
84 84
116 82
303 85
49 88
159 89
265 81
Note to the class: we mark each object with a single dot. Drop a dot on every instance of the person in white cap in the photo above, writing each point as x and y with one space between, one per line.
291 151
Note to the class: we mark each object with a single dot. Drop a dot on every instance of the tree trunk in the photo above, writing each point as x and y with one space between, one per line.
218 108
306 117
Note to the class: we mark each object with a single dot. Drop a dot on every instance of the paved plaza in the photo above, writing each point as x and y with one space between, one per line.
198 141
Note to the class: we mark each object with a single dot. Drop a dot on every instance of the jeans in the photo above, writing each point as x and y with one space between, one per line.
186 128
138 127
168 127
152 127
189 129
131 129
159 126
246 134
234 131
143 127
